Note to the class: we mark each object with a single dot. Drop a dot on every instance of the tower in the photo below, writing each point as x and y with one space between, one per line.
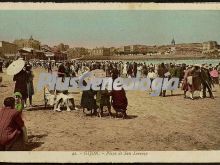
31 38
173 48
173 42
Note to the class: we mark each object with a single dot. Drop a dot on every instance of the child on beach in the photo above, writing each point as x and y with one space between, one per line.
18 102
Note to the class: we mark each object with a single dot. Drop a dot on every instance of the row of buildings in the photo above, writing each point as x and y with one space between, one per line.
32 49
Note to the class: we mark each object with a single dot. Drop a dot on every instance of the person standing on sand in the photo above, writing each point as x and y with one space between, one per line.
115 72
139 69
145 70
135 69
162 70
151 75
30 84
124 72
206 81
215 75
130 71
191 81
218 69
49 67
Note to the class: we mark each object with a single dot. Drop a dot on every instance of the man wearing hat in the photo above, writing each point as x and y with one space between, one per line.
206 81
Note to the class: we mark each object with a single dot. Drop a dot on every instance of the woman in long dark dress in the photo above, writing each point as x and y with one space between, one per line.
103 99
119 101
21 85
88 100
30 86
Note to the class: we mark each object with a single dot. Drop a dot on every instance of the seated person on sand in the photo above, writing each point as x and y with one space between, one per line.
88 100
119 102
12 129
63 96
103 99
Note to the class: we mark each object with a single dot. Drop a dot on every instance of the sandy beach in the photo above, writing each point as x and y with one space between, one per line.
154 123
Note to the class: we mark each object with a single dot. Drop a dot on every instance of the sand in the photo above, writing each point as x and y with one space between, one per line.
154 123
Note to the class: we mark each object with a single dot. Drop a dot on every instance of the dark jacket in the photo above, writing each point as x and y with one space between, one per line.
21 80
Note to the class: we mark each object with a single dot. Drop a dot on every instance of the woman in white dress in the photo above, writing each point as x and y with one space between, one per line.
124 72
139 69
151 75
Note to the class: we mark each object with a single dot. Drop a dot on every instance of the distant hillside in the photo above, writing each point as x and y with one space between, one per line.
178 51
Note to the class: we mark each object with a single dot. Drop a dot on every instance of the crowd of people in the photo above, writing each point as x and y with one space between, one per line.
193 78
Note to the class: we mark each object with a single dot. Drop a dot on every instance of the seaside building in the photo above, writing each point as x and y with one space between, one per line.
113 51
210 48
28 43
7 49
210 45
62 47
77 52
27 53
60 56
133 49
46 48
48 52
100 51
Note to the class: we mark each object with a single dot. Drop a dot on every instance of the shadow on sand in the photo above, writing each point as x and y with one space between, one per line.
42 107
38 107
34 142
174 95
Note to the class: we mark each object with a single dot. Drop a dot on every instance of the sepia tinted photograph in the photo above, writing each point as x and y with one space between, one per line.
109 80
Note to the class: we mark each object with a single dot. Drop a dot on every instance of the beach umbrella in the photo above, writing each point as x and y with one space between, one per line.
15 67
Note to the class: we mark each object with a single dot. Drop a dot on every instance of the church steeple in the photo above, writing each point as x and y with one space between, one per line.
173 42
31 38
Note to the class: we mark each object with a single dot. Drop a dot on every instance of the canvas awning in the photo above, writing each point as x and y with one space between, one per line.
29 50
49 54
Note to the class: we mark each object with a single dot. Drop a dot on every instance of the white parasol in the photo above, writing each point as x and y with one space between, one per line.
15 67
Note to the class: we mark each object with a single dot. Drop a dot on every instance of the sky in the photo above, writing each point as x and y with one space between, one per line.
110 27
